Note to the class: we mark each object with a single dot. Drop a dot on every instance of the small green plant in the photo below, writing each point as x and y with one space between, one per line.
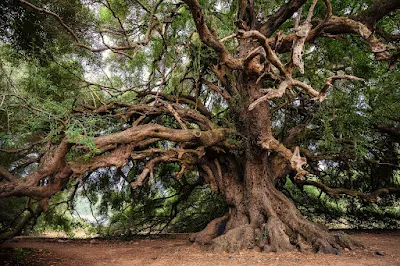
70 234
265 234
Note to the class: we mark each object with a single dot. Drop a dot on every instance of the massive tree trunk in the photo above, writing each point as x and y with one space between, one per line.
260 216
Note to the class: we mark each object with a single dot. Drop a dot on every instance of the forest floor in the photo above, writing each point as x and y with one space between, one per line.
383 249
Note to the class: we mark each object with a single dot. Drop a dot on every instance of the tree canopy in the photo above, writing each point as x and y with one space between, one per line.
145 103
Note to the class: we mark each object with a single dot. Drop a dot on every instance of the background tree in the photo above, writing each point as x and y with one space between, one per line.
225 91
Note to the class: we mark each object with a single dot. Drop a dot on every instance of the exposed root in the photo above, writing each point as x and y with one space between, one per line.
235 239
215 228
274 236
346 241
319 239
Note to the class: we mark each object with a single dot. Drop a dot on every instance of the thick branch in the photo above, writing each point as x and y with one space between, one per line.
246 14
329 83
187 99
4 173
388 129
377 11
301 32
142 132
53 163
342 25
294 158
338 25
208 37
217 89
285 12
270 54
271 94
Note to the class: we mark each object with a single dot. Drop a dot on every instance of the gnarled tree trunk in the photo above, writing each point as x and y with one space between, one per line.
260 216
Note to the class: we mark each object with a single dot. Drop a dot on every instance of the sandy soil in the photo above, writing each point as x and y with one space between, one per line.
383 249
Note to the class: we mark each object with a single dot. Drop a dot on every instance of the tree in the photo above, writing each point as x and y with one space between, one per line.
225 89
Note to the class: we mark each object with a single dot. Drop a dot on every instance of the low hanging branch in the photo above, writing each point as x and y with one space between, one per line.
372 197
118 148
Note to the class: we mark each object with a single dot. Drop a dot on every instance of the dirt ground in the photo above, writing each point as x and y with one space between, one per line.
383 249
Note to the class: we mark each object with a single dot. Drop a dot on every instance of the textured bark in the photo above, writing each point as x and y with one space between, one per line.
261 217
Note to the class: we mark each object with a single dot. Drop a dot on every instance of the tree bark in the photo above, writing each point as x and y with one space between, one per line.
260 216
263 218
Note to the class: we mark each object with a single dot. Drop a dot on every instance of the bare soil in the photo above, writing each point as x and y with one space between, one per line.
383 249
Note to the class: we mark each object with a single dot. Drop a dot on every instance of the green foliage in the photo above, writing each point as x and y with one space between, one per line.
162 205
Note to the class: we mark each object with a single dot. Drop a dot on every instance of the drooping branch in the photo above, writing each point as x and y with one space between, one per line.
27 215
373 196
23 149
57 17
121 25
